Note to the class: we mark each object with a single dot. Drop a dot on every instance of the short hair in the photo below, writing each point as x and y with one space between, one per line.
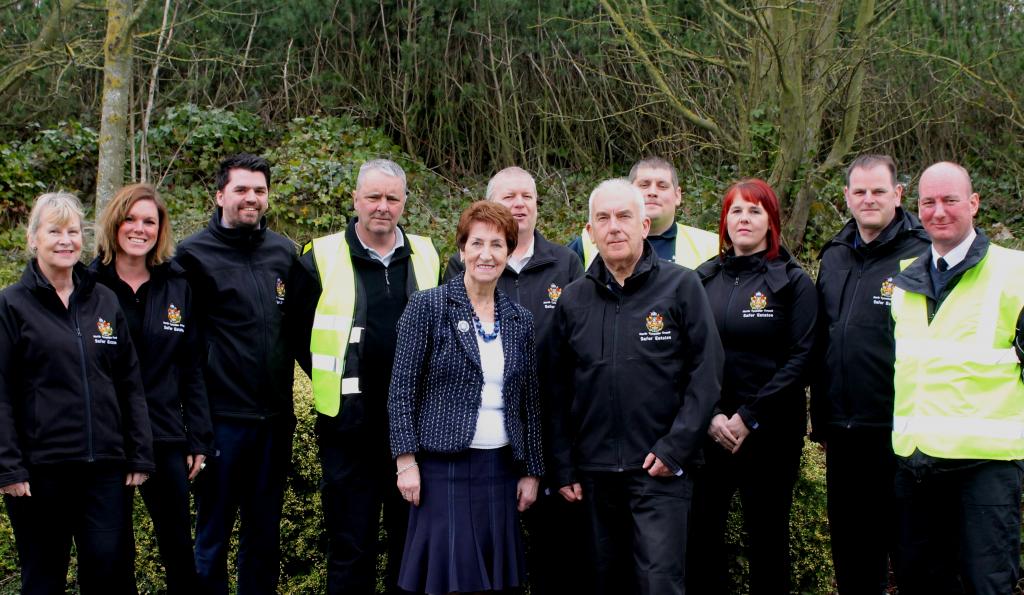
756 191
963 171
654 162
385 166
493 214
114 214
508 171
61 207
621 185
870 160
246 161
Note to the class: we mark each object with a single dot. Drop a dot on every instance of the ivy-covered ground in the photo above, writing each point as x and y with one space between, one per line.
315 162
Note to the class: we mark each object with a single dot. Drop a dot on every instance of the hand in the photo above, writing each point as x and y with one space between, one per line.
739 429
409 480
16 489
195 463
572 493
655 468
526 491
135 479
721 433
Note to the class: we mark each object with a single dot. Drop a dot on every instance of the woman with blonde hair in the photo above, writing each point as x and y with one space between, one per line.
134 245
74 432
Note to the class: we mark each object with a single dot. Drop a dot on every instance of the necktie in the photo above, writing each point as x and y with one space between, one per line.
942 265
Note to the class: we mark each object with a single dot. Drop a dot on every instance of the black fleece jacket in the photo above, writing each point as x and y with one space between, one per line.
638 369
170 350
71 390
852 386
239 282
765 311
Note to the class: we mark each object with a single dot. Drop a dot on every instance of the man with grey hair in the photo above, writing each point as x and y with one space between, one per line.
348 292
658 183
535 276
639 369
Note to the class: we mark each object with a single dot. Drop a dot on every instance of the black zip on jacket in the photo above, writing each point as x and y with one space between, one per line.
639 369
765 311
170 350
852 387
538 287
239 281
71 390
381 295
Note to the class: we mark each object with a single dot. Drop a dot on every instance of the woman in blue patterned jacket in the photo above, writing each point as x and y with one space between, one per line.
465 419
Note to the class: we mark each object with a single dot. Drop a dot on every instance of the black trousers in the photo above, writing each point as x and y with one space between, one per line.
555 556
959 530
358 479
83 503
166 495
247 478
637 537
764 472
860 469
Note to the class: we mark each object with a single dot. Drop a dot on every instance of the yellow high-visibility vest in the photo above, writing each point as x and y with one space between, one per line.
333 329
958 380
693 246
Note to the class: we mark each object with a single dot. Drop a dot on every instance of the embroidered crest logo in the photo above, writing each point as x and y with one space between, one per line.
655 322
554 292
104 328
887 288
758 301
173 314
280 289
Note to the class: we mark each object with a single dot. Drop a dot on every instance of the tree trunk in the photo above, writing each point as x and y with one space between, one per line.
117 76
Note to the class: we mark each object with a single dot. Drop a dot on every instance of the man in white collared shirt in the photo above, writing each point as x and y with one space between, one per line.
958 419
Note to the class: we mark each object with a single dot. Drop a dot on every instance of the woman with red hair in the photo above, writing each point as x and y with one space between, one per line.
765 308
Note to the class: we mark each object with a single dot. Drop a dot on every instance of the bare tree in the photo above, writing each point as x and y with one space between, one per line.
117 73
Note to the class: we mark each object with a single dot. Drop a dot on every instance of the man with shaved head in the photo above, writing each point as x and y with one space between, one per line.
958 423
537 272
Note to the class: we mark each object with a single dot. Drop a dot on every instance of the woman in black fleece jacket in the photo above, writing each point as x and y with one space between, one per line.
134 246
74 431
765 308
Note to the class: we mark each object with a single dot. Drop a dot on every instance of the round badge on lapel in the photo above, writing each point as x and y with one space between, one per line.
463 326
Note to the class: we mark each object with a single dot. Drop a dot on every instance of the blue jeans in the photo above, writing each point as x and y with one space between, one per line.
247 477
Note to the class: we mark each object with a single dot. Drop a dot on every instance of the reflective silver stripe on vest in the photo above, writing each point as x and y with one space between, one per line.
951 351
963 426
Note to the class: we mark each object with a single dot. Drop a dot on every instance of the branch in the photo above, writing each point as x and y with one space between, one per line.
15 75
659 80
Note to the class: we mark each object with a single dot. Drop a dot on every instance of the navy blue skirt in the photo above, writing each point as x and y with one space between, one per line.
464 536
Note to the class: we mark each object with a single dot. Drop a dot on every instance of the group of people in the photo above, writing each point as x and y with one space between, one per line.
610 397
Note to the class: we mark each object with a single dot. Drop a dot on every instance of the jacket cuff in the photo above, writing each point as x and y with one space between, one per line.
12 477
565 476
748 418
137 466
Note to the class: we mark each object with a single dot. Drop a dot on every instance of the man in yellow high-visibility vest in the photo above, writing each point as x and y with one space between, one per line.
348 293
658 182
958 415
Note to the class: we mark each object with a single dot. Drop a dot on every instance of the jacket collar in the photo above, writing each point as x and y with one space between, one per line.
543 254
37 283
457 293
903 224
916 278
165 270
775 271
356 249
242 238
645 267
461 315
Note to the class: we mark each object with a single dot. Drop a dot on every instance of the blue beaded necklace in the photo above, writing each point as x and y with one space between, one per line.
487 337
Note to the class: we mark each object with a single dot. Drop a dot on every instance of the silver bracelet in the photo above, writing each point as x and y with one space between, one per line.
406 468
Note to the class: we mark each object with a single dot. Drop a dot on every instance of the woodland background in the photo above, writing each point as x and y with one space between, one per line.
97 93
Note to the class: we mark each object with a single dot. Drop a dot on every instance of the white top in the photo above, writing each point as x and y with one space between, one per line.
956 255
384 259
490 424
517 264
